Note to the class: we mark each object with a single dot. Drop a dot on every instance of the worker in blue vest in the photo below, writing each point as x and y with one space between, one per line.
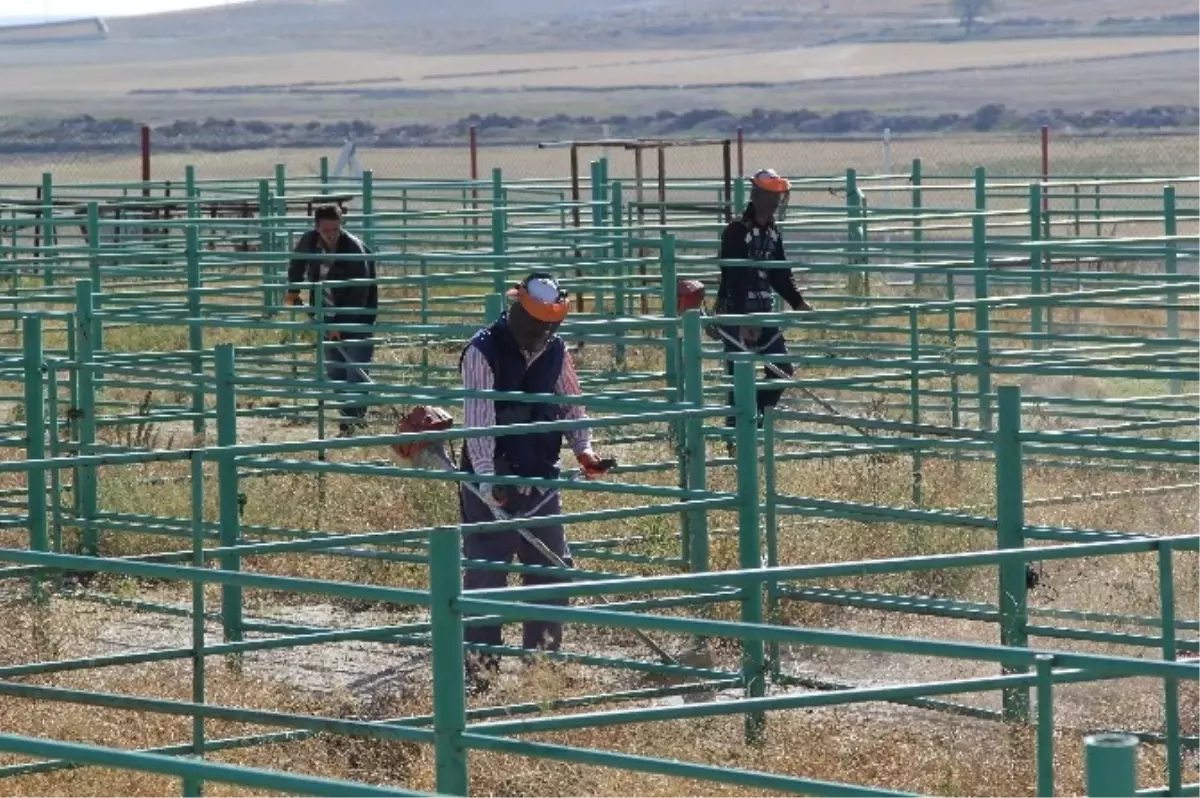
519 353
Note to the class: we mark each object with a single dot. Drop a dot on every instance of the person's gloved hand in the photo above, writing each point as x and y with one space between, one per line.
592 465
494 496
749 336
293 298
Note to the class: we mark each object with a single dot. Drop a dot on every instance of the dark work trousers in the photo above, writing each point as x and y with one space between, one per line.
770 341
348 361
503 547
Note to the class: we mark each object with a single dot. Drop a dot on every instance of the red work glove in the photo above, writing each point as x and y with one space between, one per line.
592 465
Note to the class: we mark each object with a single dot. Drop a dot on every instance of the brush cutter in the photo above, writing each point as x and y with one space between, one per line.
690 296
432 454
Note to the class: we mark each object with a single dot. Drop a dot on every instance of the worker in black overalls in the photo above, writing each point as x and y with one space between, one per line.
746 289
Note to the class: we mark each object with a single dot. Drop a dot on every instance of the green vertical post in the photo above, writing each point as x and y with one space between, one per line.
493 306
368 208
49 234
280 180
771 522
195 787
56 507
1110 765
35 441
1035 261
449 667
980 188
855 282
917 233
670 299
93 235
190 192
270 298
1171 267
1010 533
739 196
982 323
423 270
617 252
499 222
195 328
85 479
319 365
914 399
1166 593
749 536
696 521
1045 725
323 170
93 242
227 488
598 210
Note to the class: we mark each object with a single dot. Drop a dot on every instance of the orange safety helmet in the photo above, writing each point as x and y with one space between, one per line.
541 297
770 181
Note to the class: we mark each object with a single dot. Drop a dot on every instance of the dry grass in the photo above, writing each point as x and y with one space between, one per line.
878 745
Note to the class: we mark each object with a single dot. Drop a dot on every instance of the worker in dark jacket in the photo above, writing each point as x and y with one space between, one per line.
746 289
519 353
349 354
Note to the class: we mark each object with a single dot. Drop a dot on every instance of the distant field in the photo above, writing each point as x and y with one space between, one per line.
956 155
1158 74
600 69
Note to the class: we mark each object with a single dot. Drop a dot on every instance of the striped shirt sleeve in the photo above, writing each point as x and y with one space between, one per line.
477 376
568 385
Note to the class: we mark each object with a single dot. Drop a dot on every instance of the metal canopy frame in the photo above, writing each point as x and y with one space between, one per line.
639 146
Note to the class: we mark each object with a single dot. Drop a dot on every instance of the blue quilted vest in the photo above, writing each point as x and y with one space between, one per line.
532 455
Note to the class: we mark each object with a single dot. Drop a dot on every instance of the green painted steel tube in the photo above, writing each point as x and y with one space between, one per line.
914 400
749 536
273 781
449 707
619 271
1171 268
1010 523
982 322
49 237
696 522
35 448
270 298
85 410
368 209
1036 260
726 775
917 232
1045 725
1166 586
1111 765
195 787
195 331
771 522
227 487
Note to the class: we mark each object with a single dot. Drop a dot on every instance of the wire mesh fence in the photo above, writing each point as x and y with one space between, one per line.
116 153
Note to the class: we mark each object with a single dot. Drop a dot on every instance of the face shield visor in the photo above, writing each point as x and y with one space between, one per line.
770 193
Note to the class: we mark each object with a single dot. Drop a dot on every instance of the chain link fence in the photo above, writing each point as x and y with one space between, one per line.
118 157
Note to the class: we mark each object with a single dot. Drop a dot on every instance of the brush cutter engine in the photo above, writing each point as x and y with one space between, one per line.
423 454
689 295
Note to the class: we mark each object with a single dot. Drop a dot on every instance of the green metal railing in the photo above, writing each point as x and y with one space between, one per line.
944 333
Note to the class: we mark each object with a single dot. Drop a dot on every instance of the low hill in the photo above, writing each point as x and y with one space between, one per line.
57 32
